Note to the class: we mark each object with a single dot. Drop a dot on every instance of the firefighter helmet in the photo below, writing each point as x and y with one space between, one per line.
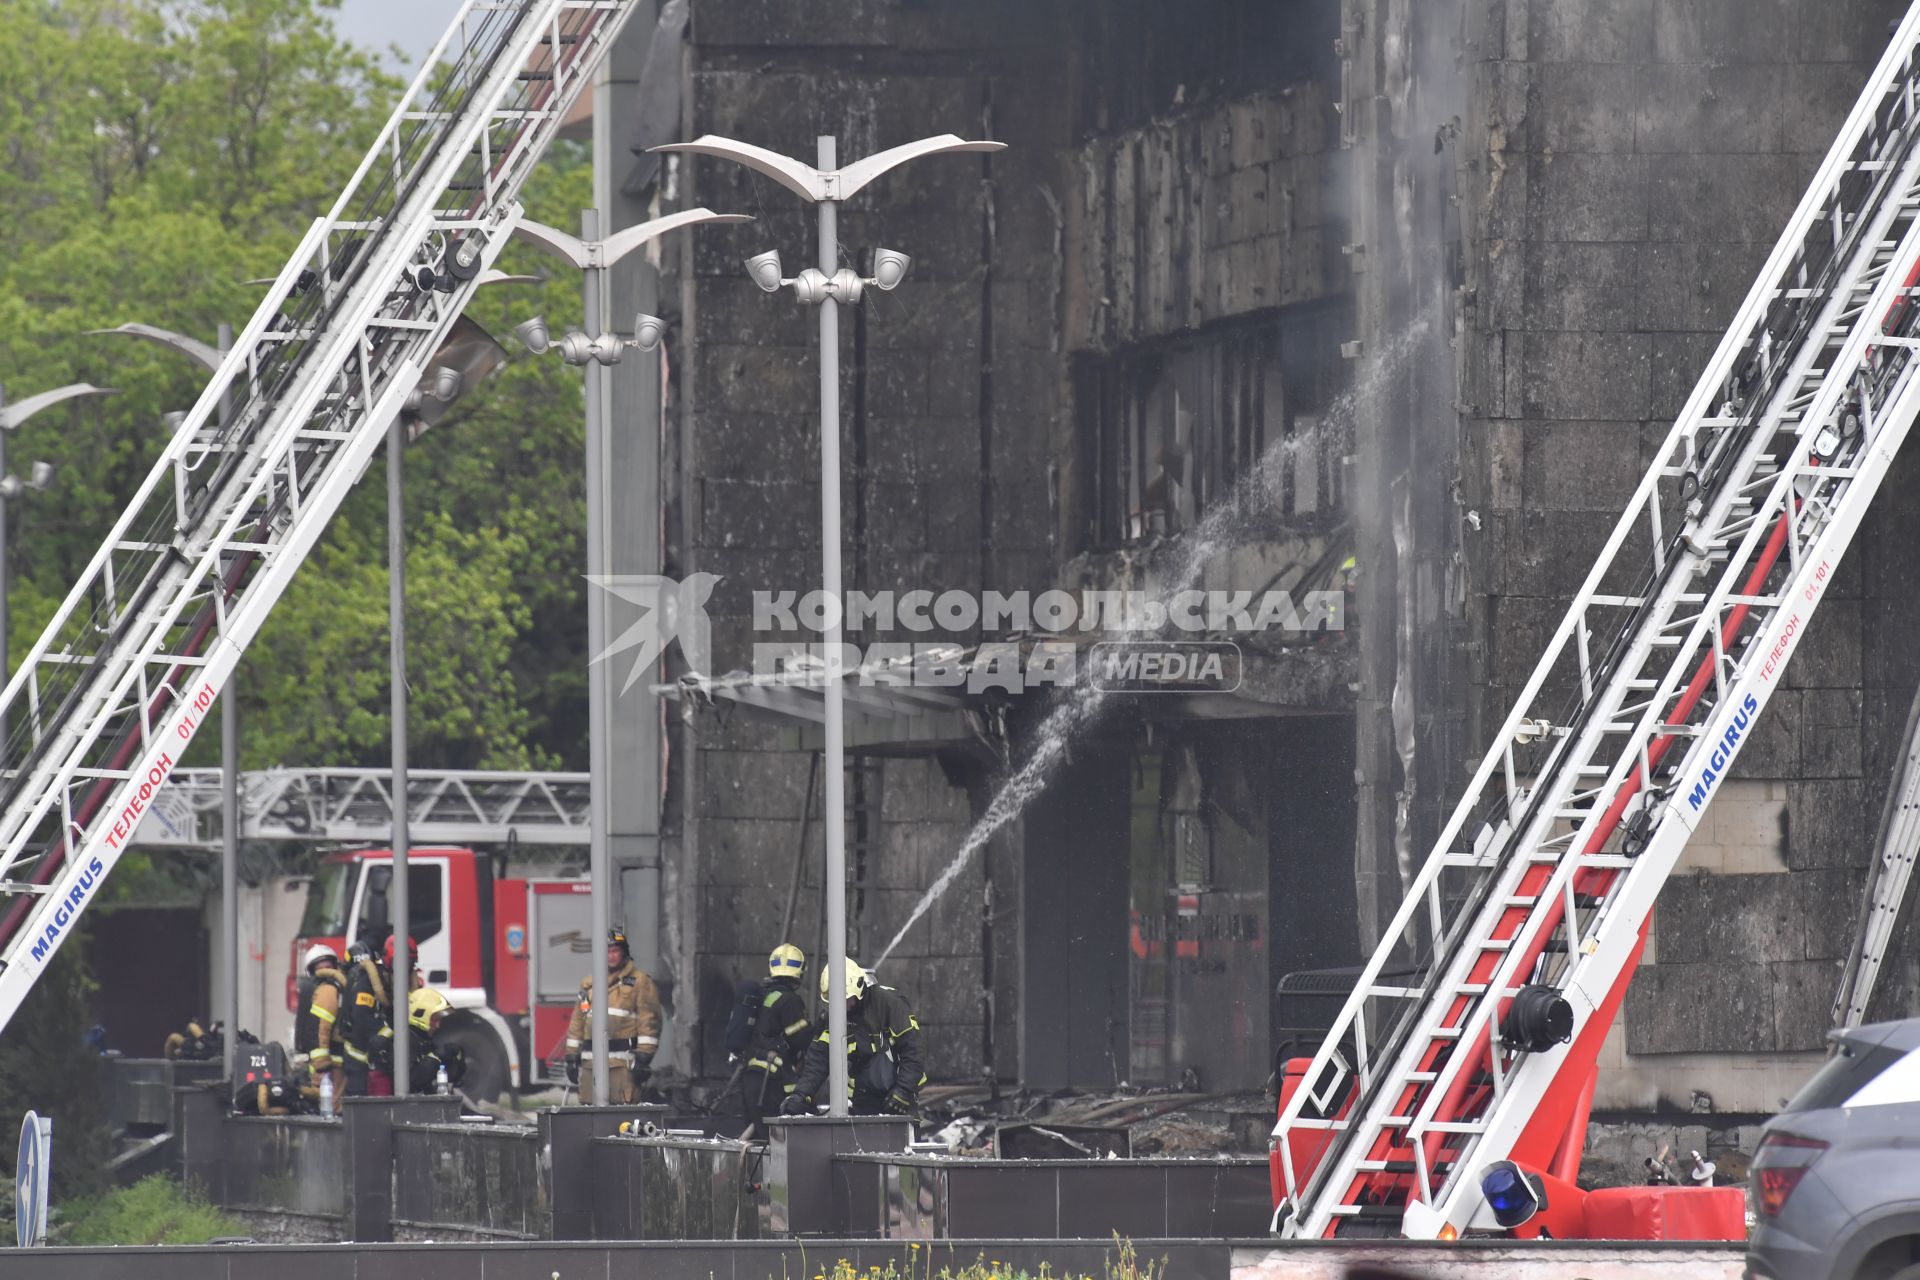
617 937
858 980
413 950
315 954
423 1006
787 961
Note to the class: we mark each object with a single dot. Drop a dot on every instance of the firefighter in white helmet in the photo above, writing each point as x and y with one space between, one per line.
316 1028
884 1068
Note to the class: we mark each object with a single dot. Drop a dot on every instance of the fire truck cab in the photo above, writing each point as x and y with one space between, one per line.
508 953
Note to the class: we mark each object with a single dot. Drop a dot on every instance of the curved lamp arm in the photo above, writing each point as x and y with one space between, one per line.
861 172
625 241
809 183
803 180
604 253
192 348
493 275
15 414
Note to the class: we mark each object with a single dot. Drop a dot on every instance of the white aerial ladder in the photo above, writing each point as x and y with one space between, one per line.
355 806
1889 880
105 704
1545 874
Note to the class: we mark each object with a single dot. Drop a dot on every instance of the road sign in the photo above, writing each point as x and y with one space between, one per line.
30 1180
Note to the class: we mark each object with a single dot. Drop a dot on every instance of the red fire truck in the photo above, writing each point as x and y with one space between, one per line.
507 952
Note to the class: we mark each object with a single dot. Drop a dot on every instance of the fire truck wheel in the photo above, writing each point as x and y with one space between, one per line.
486 1075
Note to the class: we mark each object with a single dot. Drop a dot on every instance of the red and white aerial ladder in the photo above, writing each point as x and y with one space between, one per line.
1522 929
102 709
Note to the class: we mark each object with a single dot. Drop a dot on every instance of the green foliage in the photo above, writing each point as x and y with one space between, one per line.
154 156
154 1210
1124 1263
46 1067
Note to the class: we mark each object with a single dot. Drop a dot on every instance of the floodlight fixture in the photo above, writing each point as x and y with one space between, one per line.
532 334
765 270
648 331
889 269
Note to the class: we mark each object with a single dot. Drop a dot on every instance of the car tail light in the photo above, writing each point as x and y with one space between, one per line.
1782 1160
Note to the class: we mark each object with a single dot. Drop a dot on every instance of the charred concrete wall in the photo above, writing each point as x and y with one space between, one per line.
949 400
1165 196
1627 168
1522 224
1209 215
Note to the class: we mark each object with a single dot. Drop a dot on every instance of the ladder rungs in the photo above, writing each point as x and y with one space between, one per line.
1371 1212
1401 1166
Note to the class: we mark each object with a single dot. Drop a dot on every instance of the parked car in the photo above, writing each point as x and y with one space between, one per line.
1835 1188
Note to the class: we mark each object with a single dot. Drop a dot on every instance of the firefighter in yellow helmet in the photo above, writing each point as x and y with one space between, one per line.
427 1012
884 1067
781 1032
633 1026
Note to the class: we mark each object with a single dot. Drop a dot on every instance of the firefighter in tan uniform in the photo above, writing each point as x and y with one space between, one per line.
633 1026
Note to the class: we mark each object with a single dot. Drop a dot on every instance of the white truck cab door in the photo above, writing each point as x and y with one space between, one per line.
427 892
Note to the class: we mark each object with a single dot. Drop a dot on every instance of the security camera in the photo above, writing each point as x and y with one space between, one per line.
889 268
608 348
811 286
765 270
576 347
446 384
647 331
42 475
533 334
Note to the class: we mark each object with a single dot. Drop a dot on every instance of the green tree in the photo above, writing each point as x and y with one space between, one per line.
158 154
45 1066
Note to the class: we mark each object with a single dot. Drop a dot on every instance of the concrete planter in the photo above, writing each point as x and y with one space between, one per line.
676 1189
949 1198
803 1151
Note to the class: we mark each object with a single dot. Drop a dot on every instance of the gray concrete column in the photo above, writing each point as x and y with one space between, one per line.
631 412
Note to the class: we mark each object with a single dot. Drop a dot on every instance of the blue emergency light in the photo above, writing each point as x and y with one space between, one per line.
1513 1197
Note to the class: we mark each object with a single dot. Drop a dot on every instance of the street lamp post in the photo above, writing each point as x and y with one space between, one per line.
826 184
594 347
467 356
12 417
227 975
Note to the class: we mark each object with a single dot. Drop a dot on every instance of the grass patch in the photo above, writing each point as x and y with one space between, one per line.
154 1210
1124 1264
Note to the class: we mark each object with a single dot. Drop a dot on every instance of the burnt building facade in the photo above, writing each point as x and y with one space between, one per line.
1379 298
